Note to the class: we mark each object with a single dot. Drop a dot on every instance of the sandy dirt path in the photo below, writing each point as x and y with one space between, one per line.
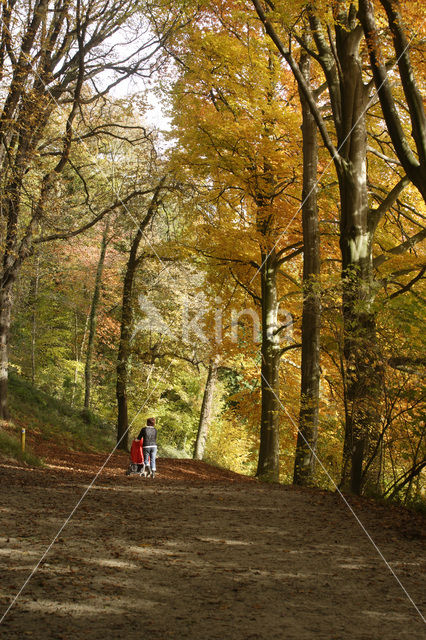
199 553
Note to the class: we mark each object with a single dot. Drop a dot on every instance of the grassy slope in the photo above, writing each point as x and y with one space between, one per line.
51 418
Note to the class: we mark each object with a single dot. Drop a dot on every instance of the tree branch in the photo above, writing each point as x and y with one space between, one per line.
375 215
296 345
76 232
403 150
401 248
251 293
382 156
405 478
408 286
290 256
338 161
412 94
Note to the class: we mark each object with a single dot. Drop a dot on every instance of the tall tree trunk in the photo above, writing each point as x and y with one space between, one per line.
126 323
309 391
361 423
359 341
5 315
206 409
268 462
93 318
33 304
124 345
10 269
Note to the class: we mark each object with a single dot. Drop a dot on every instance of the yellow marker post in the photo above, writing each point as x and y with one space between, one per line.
23 439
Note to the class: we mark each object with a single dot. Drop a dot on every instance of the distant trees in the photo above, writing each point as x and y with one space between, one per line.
206 410
53 63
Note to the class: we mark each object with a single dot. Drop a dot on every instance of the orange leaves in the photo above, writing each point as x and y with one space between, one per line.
234 130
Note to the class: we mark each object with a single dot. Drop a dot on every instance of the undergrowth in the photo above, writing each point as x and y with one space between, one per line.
168 451
54 419
10 448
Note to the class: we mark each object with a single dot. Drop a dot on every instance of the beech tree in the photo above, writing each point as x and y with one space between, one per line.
413 160
241 151
304 463
206 410
340 59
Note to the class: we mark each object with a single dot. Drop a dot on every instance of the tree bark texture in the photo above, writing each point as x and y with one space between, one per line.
124 345
206 410
93 318
341 64
268 462
414 164
304 463
126 323
361 421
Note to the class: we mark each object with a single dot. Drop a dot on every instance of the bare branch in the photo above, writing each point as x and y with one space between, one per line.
76 232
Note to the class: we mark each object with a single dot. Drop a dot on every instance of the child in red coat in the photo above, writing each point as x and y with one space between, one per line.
136 457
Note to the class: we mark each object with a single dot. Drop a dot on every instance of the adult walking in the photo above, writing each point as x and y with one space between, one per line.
149 436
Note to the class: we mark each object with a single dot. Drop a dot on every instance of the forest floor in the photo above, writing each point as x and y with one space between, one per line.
199 553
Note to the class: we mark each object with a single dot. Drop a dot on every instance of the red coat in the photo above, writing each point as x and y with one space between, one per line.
136 454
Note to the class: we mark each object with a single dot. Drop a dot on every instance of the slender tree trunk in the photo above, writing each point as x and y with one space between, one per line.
77 351
309 392
5 315
268 463
93 318
124 345
76 358
126 323
206 409
9 274
33 302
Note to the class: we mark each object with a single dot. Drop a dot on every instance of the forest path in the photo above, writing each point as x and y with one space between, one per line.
199 553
